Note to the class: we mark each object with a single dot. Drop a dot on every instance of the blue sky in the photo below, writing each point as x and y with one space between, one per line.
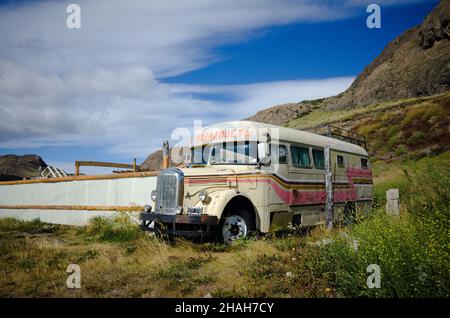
115 88
308 50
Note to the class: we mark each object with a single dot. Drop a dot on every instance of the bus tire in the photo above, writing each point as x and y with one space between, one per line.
237 224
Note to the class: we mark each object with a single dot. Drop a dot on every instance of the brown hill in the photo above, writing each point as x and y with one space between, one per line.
154 160
417 63
14 167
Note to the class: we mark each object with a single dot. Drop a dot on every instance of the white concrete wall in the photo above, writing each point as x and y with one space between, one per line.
110 192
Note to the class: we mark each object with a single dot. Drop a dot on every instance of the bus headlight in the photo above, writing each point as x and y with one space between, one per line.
153 195
202 195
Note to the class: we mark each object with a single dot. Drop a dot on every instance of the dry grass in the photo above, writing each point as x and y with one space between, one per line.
33 264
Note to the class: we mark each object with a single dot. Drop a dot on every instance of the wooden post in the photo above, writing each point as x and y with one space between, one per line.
392 202
329 134
329 189
77 168
165 163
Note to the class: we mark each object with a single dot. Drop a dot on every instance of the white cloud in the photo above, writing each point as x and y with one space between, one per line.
169 37
249 98
127 111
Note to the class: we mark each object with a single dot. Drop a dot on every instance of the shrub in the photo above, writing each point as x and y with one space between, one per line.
31 227
414 114
416 138
368 129
392 141
401 150
435 110
392 131
120 228
413 250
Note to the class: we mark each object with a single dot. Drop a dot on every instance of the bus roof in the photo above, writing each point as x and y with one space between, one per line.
249 130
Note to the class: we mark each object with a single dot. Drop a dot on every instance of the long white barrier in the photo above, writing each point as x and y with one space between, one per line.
74 200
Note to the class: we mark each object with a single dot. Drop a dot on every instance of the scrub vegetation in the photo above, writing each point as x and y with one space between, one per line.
401 129
119 260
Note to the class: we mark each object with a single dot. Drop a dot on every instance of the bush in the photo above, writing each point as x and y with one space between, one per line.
416 138
120 228
401 150
31 227
392 131
413 250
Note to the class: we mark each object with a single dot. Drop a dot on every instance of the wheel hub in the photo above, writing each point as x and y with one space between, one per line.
234 228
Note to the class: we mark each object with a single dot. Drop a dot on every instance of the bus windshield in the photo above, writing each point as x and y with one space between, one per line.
241 153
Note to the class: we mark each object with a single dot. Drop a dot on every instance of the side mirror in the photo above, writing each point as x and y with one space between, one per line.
263 154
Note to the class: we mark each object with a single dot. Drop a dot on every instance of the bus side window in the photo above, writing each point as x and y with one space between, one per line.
340 161
279 153
364 163
300 157
282 156
319 159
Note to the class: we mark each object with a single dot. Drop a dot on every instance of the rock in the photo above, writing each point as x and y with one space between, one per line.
13 167
325 241
290 275
436 26
281 114
154 161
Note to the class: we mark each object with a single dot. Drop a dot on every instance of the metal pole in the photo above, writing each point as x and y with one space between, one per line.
165 163
329 189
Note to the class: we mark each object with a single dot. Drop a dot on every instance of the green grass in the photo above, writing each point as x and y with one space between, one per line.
120 228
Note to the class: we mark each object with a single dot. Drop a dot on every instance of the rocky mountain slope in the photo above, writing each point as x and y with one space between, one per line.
154 160
417 63
403 128
14 167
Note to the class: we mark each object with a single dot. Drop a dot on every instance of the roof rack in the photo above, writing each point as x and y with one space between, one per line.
342 134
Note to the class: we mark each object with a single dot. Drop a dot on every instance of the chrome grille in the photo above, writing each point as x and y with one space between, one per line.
169 191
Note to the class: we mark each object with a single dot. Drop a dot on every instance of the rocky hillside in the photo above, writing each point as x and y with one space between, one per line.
154 160
14 167
404 128
417 63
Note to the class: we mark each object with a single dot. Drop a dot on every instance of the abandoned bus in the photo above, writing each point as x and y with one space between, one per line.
245 176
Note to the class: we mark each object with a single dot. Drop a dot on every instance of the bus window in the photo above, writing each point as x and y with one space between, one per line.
340 161
318 158
300 157
364 163
279 153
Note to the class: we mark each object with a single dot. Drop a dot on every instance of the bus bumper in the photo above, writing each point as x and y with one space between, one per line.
179 224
